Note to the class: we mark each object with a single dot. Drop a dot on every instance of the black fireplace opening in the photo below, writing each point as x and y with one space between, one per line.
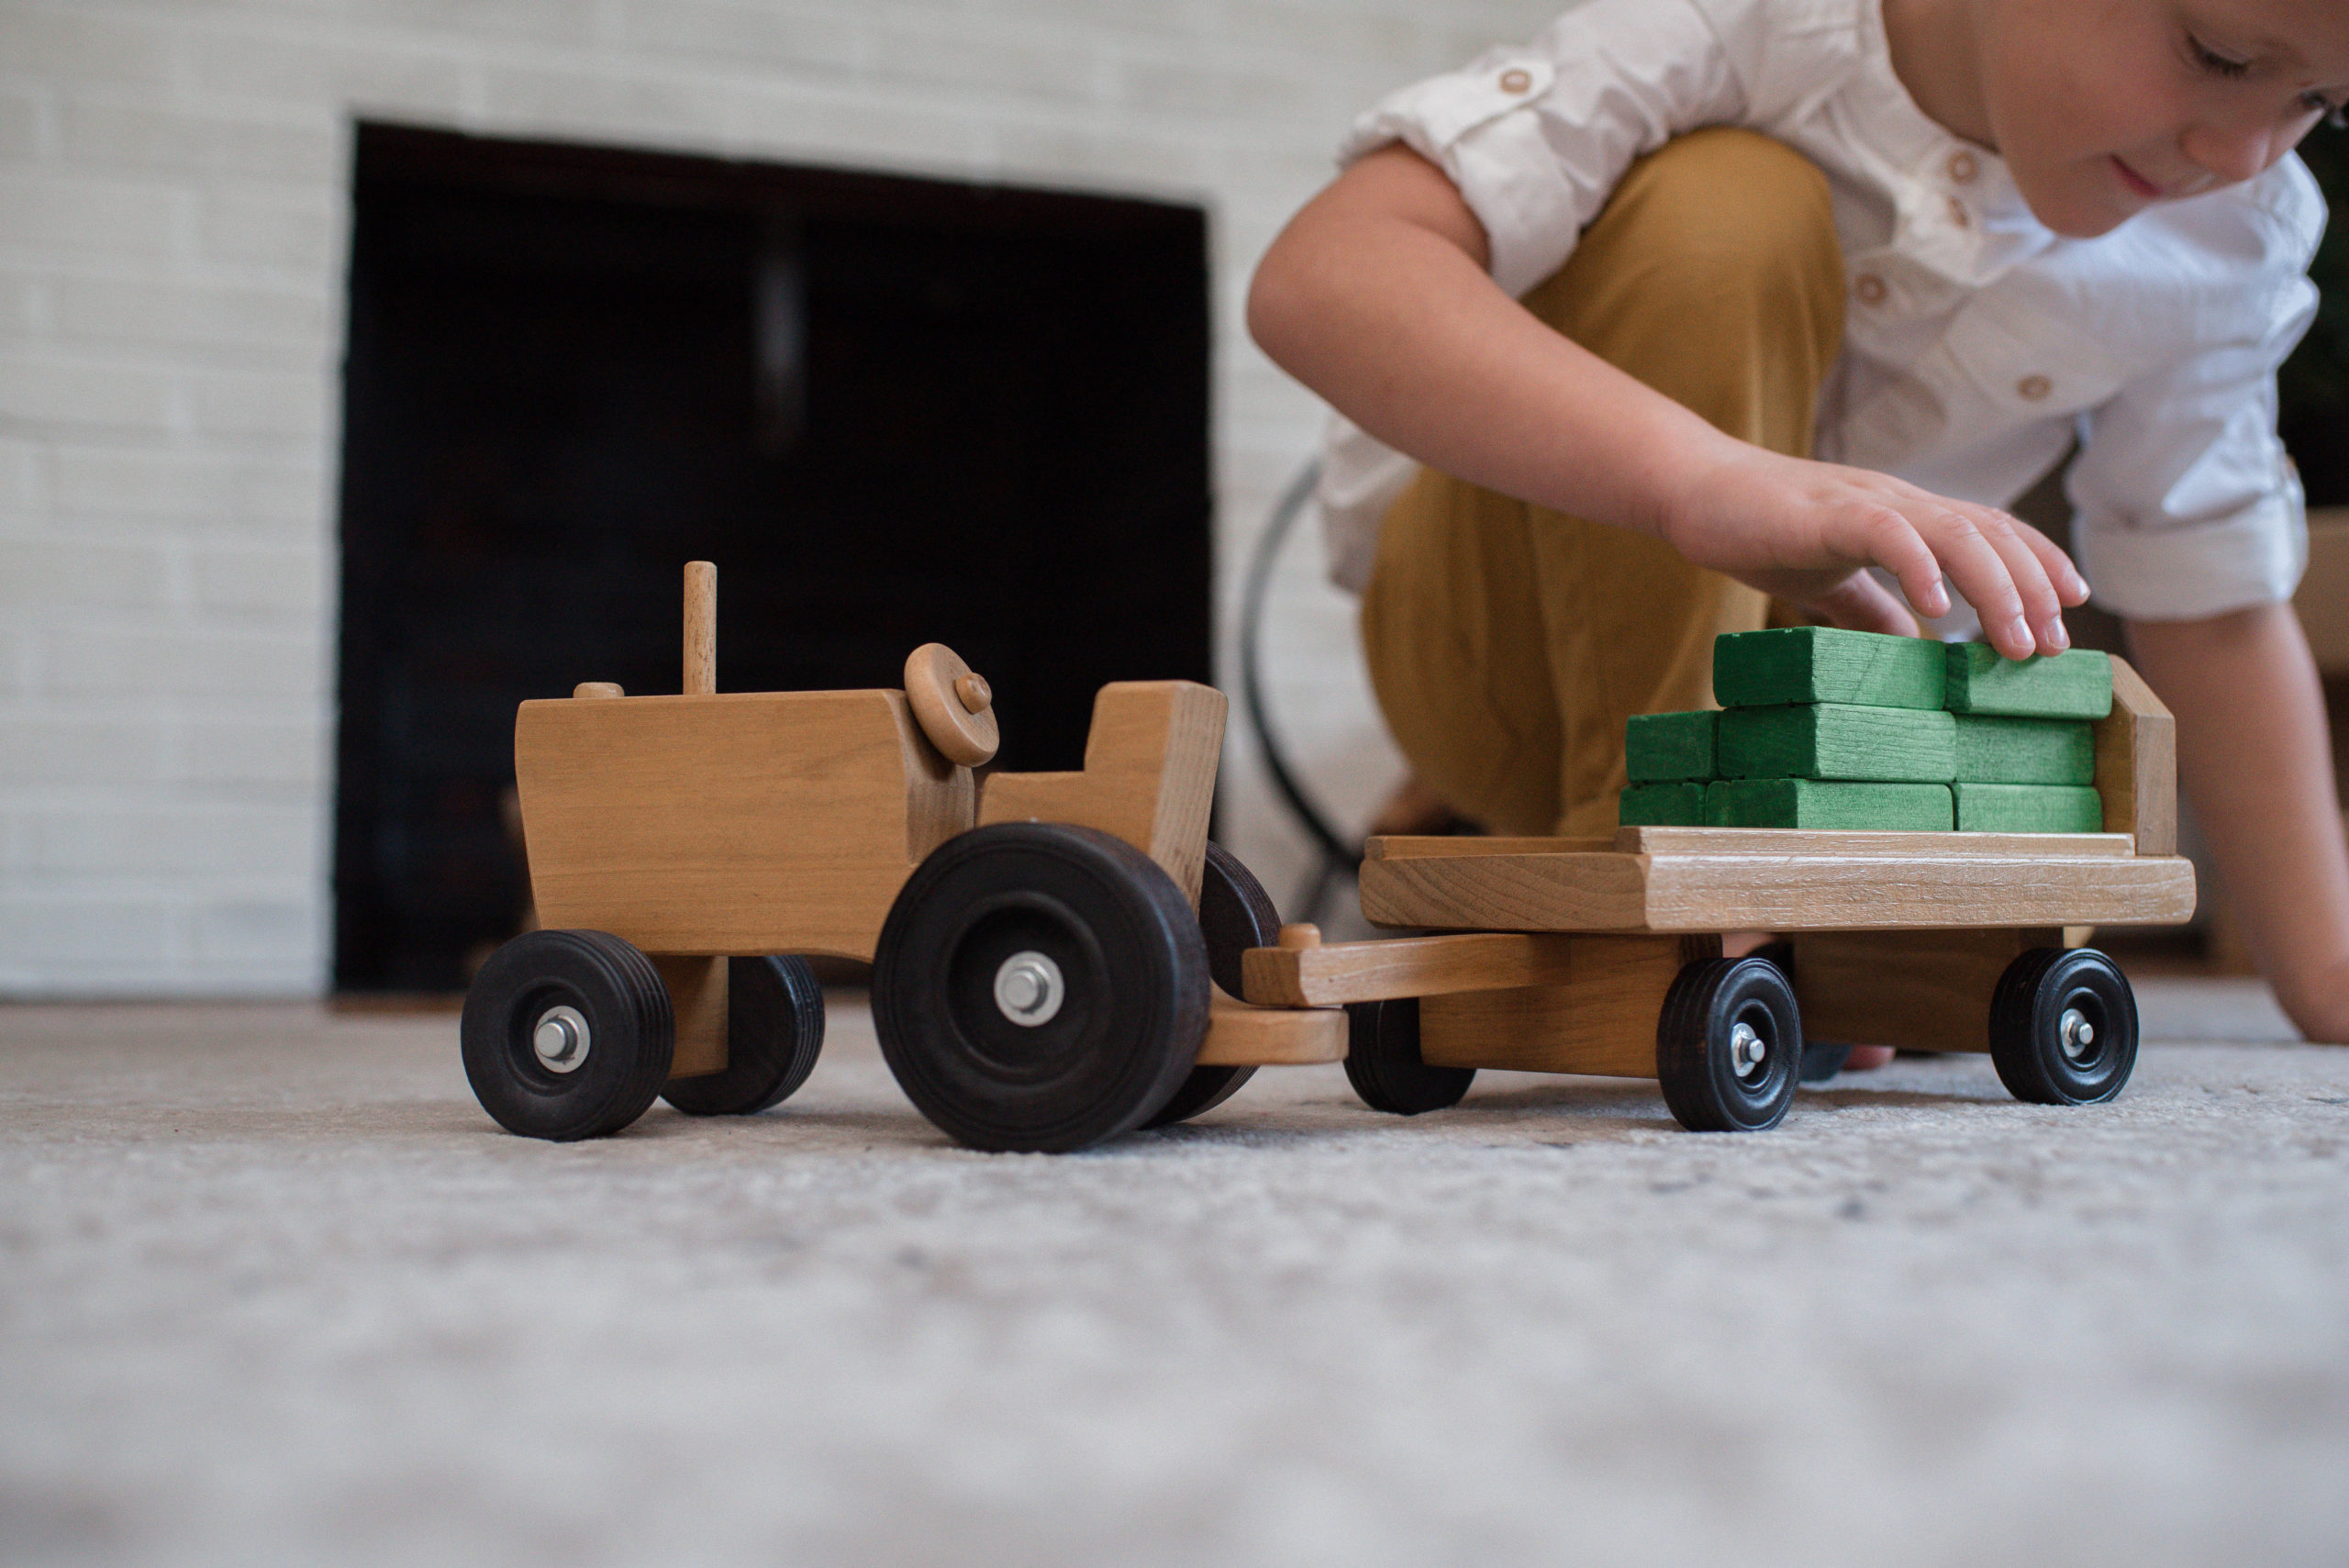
892 410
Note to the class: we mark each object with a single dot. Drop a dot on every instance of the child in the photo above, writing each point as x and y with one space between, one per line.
1617 288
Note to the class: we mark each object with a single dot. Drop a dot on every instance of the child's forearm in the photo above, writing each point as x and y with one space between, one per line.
2255 757
1376 297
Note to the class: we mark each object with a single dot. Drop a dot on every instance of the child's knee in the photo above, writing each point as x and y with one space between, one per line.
1725 194
1717 257
1722 219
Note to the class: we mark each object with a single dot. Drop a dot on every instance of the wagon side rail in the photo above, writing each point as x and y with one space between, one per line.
2136 764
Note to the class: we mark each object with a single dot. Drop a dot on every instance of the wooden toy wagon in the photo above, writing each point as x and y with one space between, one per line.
1604 955
1045 947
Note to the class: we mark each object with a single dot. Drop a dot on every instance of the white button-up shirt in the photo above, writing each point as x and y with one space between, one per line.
1978 345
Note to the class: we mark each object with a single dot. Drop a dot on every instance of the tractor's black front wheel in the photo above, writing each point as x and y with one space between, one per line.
1040 987
567 1034
1729 1046
774 1031
2063 1027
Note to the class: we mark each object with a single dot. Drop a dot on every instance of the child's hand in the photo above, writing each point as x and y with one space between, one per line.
1803 531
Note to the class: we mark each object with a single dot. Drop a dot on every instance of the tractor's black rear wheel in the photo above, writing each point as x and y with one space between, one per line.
1040 987
1235 914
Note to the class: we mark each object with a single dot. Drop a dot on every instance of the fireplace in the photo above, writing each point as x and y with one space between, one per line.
892 410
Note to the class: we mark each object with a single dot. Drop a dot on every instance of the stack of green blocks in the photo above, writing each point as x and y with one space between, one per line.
1852 729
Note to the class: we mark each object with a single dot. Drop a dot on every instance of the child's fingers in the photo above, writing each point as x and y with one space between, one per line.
2042 605
1884 538
2000 577
1859 603
2070 587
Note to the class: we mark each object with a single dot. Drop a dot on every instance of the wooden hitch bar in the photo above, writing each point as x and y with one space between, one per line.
1307 974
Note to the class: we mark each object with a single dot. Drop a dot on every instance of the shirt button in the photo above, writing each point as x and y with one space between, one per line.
1517 80
1870 288
2034 388
1963 167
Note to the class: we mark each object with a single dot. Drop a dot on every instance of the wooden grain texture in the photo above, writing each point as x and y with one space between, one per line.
1807 803
700 678
1240 1035
1912 990
1996 749
2027 808
1150 765
1601 1019
740 823
1402 966
1660 747
1440 846
1777 841
698 1001
1714 892
1573 891
2078 684
1662 805
2136 764
1817 663
1837 741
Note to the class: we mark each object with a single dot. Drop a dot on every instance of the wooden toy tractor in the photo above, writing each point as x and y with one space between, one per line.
1046 948
1060 958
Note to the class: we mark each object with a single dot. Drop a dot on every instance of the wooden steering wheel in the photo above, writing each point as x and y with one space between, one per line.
954 707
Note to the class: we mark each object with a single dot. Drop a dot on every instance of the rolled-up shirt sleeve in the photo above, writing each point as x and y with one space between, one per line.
2185 504
1536 137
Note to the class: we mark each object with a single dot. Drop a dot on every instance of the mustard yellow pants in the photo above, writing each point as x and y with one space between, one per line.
1508 644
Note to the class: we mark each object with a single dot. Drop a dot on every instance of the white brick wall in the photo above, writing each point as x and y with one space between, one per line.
174 212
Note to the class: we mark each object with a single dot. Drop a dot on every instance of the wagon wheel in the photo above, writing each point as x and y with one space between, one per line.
775 1031
1235 914
1040 987
567 1034
2063 1027
1383 1061
1728 1045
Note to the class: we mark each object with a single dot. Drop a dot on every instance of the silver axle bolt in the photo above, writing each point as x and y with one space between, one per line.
1746 1049
560 1040
1029 989
2075 1033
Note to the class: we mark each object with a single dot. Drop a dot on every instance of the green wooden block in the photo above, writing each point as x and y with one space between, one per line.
1993 749
1669 746
1818 663
1662 805
1807 803
2028 808
2078 684
1836 740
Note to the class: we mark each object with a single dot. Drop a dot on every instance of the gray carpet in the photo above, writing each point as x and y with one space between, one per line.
274 1290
